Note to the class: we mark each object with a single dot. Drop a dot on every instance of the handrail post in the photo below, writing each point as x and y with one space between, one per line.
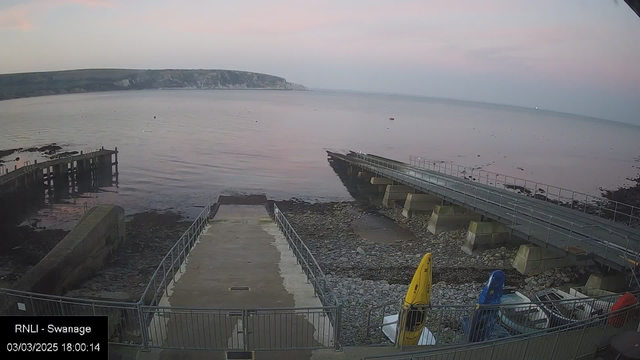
530 222
164 275
143 329
549 228
575 355
337 327
547 194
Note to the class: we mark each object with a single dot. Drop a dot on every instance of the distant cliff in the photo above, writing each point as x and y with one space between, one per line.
13 86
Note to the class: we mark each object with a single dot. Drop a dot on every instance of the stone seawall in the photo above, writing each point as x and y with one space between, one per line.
80 254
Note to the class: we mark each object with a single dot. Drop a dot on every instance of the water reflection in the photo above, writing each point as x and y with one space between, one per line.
358 188
27 191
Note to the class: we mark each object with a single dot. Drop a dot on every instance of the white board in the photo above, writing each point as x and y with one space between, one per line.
389 330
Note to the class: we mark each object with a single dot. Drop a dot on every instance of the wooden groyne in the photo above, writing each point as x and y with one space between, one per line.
28 187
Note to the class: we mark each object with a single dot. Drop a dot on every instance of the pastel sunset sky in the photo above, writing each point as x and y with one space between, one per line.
576 56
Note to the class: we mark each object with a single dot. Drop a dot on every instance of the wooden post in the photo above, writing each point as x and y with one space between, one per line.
92 167
49 176
56 178
82 175
116 161
73 177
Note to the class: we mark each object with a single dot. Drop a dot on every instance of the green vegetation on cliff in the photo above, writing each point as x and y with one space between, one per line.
13 86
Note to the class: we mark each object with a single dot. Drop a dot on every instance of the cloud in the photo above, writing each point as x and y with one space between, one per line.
287 17
502 58
23 16
16 18
92 3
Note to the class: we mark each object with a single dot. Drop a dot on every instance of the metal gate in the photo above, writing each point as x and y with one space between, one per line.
239 329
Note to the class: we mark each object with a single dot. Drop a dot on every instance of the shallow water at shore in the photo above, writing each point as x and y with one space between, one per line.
181 149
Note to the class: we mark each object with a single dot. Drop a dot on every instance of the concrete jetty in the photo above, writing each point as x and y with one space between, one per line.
581 232
241 262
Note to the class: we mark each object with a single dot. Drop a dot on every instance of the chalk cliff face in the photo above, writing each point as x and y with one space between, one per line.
14 86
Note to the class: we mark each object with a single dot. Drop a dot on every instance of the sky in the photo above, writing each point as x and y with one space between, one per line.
575 56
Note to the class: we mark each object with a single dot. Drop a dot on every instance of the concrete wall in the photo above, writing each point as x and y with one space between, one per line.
80 254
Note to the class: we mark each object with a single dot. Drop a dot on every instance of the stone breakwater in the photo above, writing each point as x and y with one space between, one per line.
366 273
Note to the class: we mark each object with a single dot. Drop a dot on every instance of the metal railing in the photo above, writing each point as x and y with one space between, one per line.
570 341
594 205
124 318
150 324
241 329
174 260
127 323
314 273
28 167
549 229
306 260
450 325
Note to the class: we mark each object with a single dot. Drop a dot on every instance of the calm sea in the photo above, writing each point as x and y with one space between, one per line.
180 149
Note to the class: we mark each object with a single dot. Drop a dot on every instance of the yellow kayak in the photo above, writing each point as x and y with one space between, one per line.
419 294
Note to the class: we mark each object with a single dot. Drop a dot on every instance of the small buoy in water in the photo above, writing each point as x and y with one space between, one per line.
154 116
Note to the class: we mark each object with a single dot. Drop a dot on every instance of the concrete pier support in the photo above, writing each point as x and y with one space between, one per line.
531 259
380 181
365 175
395 193
420 203
450 217
486 235
60 181
83 176
610 282
353 170
104 170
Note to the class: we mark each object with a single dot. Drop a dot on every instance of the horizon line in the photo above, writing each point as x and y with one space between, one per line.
586 117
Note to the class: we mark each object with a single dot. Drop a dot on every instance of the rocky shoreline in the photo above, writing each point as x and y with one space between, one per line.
365 273
126 273
150 235
22 247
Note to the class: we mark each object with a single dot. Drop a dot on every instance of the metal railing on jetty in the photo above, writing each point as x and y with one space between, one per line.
449 325
145 323
549 225
570 341
175 259
593 205
306 259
